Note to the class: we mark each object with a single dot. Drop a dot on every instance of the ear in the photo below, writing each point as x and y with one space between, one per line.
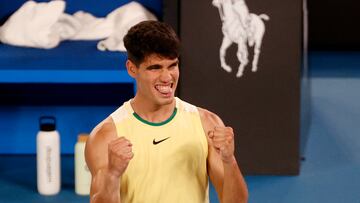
131 68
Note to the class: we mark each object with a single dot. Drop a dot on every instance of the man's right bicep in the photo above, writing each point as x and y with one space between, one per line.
95 155
96 150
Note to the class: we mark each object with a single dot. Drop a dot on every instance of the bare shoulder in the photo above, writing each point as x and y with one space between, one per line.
96 149
104 131
209 119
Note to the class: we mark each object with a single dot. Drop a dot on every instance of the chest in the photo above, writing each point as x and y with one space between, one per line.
180 144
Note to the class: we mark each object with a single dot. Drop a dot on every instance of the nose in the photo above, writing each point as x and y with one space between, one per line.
165 76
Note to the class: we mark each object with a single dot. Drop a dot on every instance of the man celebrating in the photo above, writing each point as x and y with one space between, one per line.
156 147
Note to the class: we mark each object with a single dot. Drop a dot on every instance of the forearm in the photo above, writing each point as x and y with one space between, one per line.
105 188
234 186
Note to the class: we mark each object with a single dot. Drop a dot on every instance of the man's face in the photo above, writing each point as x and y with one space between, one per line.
157 79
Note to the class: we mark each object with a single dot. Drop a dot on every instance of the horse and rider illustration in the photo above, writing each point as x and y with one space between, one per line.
243 28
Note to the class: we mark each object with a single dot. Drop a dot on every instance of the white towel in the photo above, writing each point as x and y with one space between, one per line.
92 28
32 25
45 25
67 26
123 19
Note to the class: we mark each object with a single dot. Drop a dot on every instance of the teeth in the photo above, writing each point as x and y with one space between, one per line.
164 89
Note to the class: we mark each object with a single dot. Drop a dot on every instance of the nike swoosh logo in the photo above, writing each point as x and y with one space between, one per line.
157 142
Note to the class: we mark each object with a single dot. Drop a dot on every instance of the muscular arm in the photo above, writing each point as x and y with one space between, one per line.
107 157
223 169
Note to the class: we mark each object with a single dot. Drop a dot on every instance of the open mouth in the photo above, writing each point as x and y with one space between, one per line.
165 90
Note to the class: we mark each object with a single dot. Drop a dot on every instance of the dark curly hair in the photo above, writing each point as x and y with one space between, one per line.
151 37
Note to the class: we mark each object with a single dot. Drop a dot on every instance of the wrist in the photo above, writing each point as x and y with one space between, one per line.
229 160
112 180
113 174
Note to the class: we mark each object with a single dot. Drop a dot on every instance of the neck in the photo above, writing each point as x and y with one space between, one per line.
152 112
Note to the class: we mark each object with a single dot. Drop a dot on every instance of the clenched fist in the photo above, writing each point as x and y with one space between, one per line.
222 139
119 154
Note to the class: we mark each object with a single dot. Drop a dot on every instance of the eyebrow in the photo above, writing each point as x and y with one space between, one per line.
175 63
154 66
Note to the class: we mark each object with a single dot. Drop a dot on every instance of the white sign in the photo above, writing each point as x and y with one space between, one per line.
243 28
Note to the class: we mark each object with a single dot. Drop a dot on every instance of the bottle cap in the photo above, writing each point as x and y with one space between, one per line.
83 137
47 123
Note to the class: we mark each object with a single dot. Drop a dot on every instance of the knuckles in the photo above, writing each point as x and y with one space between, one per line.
120 149
224 132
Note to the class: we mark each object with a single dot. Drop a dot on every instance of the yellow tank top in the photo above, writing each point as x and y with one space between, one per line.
169 163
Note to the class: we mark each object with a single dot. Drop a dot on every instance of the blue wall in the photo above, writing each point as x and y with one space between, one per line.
95 7
20 108
19 125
